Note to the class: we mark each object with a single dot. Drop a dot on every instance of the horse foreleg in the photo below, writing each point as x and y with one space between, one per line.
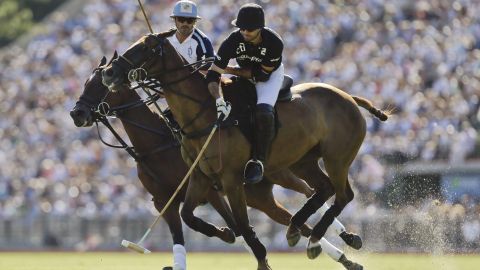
172 218
197 190
236 196
219 203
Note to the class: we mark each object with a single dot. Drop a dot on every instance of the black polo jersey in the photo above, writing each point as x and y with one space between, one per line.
268 52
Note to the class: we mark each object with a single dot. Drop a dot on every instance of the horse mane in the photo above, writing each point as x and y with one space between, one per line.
170 32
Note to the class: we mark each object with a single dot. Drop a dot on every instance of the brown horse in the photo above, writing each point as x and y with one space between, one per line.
160 175
320 122
160 165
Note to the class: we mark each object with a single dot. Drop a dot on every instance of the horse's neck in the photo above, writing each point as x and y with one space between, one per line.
185 109
142 139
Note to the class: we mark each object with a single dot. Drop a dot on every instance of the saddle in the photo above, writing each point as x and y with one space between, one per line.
242 95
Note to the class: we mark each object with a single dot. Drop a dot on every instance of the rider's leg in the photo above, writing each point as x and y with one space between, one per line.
267 94
264 133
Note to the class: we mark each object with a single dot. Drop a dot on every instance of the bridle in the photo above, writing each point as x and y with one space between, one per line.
139 74
101 111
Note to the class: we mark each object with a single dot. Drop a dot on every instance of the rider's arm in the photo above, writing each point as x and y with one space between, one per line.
261 73
213 80
247 73
224 55
238 71
273 59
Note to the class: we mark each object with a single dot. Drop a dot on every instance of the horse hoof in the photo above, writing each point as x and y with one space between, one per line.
352 240
356 266
263 265
227 235
353 266
349 265
313 250
293 235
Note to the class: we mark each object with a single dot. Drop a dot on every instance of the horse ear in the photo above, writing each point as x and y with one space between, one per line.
115 56
103 61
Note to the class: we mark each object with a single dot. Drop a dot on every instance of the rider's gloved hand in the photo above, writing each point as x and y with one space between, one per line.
223 108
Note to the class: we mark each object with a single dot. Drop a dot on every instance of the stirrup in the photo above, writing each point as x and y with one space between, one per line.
251 165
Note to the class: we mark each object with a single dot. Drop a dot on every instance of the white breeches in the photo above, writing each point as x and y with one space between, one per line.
267 92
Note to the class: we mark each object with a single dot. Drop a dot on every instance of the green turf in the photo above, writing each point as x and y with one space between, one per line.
229 261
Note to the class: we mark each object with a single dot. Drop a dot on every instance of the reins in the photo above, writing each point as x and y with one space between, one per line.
146 82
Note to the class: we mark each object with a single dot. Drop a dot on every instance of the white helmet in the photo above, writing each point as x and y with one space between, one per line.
186 9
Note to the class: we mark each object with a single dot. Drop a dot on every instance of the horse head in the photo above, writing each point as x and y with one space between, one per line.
94 94
145 58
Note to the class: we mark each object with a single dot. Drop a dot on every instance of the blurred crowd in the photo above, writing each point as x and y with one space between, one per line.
419 58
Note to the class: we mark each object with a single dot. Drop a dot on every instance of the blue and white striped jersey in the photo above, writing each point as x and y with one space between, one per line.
196 47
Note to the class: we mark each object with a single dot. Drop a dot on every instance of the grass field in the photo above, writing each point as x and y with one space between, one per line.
230 261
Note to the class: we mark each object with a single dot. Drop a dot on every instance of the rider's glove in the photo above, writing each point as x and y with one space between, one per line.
223 108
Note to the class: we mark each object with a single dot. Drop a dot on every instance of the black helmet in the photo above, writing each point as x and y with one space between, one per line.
250 16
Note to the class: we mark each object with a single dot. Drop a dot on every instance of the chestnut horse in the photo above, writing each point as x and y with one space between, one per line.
164 168
321 121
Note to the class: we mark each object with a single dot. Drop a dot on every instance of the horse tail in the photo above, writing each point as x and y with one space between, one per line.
367 104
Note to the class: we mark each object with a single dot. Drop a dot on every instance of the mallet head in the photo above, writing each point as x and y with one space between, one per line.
135 247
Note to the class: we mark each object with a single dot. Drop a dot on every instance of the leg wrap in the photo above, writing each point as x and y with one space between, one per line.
308 209
339 228
327 219
179 257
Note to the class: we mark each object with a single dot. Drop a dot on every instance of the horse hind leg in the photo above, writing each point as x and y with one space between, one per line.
197 191
338 172
308 170
315 176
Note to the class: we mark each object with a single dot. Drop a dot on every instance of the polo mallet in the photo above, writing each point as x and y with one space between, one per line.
145 15
138 246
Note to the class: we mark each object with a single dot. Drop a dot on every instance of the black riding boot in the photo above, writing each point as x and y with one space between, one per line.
264 133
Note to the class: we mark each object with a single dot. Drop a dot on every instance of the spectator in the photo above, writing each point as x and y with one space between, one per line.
420 57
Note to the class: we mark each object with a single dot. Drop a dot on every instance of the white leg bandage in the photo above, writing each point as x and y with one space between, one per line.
179 257
337 226
330 249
